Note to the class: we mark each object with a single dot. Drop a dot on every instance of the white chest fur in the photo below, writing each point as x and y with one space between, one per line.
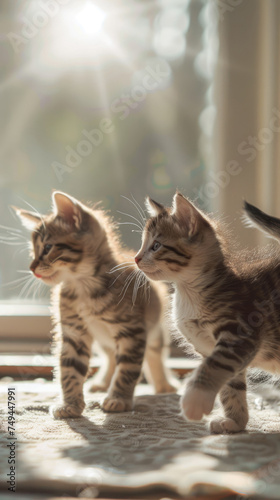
188 319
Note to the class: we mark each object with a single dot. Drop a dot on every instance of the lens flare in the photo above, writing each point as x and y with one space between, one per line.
91 19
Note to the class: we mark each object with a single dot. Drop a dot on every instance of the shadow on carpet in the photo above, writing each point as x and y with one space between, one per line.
141 451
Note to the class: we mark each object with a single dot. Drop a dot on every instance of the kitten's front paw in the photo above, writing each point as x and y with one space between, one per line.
223 425
67 411
117 404
196 403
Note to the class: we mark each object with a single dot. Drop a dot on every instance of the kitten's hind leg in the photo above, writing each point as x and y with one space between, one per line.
155 371
233 399
101 381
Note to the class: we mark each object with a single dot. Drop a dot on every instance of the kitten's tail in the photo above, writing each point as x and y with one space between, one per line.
254 217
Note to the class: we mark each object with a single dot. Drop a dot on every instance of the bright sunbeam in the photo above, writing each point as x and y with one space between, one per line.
91 18
81 34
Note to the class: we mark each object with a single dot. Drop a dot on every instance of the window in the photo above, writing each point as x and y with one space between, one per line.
99 100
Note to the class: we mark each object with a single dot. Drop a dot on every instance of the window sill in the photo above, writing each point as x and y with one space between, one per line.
24 328
38 366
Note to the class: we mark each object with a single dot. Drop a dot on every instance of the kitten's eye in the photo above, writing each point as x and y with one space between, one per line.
47 248
155 246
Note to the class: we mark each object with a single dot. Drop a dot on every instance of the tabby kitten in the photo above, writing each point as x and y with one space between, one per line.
226 305
76 250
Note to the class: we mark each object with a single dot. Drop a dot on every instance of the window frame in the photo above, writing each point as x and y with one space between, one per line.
25 328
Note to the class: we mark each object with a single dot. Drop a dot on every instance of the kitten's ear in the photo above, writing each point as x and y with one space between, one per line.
187 214
29 219
68 208
154 208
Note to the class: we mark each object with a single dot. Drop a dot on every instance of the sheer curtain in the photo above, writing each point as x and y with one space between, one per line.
246 158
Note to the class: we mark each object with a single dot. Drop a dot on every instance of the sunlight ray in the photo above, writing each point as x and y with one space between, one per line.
115 154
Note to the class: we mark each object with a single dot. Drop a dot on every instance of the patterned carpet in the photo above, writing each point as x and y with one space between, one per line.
151 447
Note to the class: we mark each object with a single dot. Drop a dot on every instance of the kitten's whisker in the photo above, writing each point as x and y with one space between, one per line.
30 279
7 228
121 268
23 284
10 243
128 276
19 251
43 289
26 286
132 274
11 233
143 280
36 288
8 238
134 203
141 225
18 282
147 287
120 265
32 287
12 237
140 208
128 280
136 286
18 236
132 224
118 276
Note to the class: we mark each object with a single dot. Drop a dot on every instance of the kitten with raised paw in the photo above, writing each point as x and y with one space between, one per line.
225 304
76 250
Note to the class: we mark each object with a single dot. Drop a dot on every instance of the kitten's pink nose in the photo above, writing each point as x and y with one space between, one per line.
32 268
137 259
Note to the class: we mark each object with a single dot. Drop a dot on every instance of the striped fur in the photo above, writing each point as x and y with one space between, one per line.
75 249
226 304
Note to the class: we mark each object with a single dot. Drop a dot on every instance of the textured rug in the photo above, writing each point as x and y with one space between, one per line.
141 451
